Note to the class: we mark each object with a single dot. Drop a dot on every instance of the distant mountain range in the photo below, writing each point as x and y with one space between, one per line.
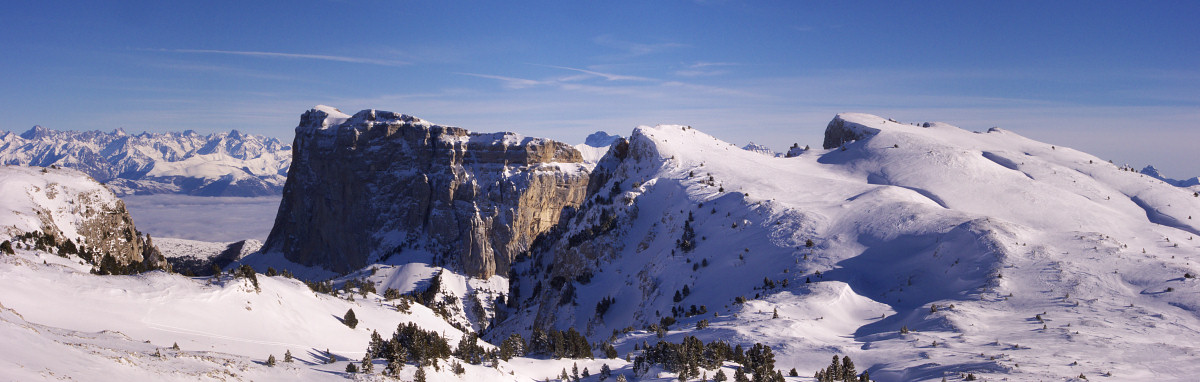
220 164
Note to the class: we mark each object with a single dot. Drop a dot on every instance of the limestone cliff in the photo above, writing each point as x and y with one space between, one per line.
366 187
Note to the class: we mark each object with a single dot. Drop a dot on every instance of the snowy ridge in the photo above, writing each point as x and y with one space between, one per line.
221 164
994 228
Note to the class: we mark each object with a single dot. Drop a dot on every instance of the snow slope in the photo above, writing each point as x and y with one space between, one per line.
1004 234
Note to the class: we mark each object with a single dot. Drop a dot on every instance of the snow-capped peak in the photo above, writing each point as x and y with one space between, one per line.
754 147
601 139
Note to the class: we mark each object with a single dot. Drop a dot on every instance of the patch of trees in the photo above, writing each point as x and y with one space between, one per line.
687 242
603 305
559 344
513 346
247 272
841 372
469 350
409 345
689 357
106 264
606 223
325 287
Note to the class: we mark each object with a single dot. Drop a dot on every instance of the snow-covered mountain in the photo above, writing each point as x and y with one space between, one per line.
924 252
921 252
754 147
1153 172
221 164
595 146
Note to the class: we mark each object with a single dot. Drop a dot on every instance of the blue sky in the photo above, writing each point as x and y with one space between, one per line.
1116 79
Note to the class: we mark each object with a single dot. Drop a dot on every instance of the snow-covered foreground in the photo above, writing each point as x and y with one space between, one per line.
60 322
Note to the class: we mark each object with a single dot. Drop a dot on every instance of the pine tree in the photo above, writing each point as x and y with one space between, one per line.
368 367
848 372
287 356
776 314
420 375
271 360
175 346
575 371
351 368
720 376
349 319
605 372
740 376
6 247
621 378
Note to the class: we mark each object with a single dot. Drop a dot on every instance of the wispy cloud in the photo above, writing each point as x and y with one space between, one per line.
634 49
510 82
704 69
606 76
321 57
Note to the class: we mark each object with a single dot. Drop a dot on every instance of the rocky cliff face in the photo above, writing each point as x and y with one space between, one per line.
378 184
57 205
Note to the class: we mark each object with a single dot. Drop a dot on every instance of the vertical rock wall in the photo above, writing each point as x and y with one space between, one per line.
370 186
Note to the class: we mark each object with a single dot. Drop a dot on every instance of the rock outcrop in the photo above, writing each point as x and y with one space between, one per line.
840 131
57 205
380 184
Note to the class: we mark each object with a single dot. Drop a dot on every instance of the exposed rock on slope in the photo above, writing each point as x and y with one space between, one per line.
67 205
367 187
222 164
840 131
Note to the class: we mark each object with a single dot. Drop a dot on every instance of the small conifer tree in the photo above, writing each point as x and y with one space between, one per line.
287 356
720 376
349 319
271 360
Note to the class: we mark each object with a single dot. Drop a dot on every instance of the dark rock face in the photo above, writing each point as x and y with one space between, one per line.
363 188
840 132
